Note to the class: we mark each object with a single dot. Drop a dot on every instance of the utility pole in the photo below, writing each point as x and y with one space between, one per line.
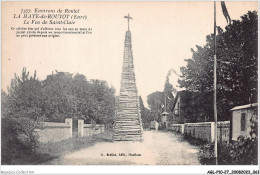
165 103
215 89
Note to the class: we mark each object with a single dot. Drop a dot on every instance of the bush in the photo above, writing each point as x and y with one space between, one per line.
18 139
241 152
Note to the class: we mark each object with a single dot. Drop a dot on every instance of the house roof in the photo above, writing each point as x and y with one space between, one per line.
245 106
175 100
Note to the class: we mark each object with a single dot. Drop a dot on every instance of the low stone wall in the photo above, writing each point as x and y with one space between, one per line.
203 130
224 131
86 130
176 127
55 132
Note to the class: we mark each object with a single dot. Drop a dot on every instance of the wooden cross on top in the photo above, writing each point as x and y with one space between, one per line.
128 18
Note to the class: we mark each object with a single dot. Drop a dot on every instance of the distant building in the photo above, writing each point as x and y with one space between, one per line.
186 107
242 120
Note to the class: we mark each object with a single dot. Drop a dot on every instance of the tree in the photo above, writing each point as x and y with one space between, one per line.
168 92
4 104
236 71
29 102
74 97
59 102
103 102
23 114
155 101
81 89
145 113
24 97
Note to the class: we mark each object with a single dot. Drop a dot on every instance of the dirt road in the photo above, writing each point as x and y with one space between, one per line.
157 148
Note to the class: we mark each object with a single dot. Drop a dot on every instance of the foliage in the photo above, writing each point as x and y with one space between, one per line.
68 96
102 102
241 152
155 101
29 102
60 96
168 92
22 115
237 67
57 95
4 104
145 113
24 97
190 107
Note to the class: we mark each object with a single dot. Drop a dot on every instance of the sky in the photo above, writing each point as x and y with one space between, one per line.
163 34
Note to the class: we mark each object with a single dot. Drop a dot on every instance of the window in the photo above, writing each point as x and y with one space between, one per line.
243 122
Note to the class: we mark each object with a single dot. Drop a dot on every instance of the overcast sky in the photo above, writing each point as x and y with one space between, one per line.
163 34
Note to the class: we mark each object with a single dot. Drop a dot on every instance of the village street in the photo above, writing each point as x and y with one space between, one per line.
157 148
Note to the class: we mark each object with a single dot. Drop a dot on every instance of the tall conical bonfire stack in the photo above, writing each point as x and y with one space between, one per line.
128 124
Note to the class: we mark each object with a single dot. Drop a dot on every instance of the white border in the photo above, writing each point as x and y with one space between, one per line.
119 169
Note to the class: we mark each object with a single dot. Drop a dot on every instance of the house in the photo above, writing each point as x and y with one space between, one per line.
186 107
243 117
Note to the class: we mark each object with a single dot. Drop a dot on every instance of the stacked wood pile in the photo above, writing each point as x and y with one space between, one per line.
128 124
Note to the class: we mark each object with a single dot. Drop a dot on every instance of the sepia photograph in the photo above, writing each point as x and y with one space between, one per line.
129 83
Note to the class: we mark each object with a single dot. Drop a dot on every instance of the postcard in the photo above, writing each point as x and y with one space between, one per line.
129 83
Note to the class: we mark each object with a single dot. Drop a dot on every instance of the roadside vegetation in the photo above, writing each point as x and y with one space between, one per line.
29 102
244 151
